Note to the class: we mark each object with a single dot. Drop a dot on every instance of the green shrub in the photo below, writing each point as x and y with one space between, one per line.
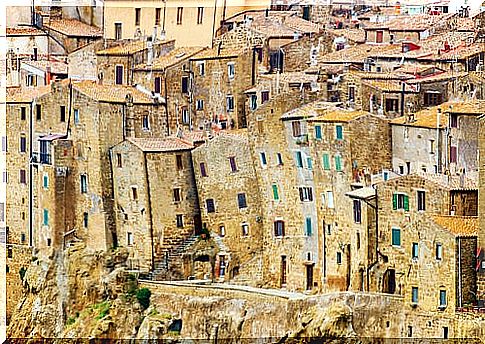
143 297
103 309
70 321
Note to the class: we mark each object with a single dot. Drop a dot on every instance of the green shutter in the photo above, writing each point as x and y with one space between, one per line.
394 201
338 164
406 202
326 162
275 192
46 217
318 132
396 237
340 134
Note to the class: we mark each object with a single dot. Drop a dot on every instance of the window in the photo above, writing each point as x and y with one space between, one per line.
339 258
351 93
9 252
5 176
222 231
157 85
119 160
396 237
400 201
31 80
230 103
201 66
308 226
330 199
200 15
76 116
232 163
200 104
185 115
22 237
231 70
306 194
23 177
84 183
421 200
23 144
4 143
145 123
357 211
415 250
46 181
279 228
241 200
2 211
392 105
178 162
276 195
180 12
180 220
245 229
442 298
309 163
253 102
46 217
453 153
379 36
38 112
439 251
339 134
414 295
211 208
185 84
299 159
119 75
134 193
262 157
176 195
279 158
296 128
129 239
85 220
338 163
432 99
158 12
118 32
264 96
318 132
431 147
63 113
23 113
326 162
445 332
453 121
203 170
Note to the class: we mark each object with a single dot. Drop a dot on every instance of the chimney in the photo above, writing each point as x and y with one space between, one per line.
150 52
48 76
129 116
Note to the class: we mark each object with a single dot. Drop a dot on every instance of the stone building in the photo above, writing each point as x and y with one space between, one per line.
284 173
231 204
420 245
347 147
42 72
116 63
155 199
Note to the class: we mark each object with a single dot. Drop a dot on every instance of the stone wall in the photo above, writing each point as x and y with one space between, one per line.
19 257
466 275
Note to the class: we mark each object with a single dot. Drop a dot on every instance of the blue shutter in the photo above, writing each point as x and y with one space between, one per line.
299 159
339 132
308 226
318 132
396 237
46 217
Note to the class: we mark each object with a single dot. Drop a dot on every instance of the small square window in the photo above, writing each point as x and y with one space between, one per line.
129 238
203 170
339 258
211 208
232 163
245 229
414 295
177 195
241 200
179 162
439 251
180 220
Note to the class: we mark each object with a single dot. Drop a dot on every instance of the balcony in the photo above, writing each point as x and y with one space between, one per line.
41 158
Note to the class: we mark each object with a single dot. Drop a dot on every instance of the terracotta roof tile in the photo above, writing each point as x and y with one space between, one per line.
72 27
352 35
461 226
451 182
310 110
292 77
56 66
111 93
171 58
24 31
124 48
343 116
167 144
425 119
216 53
25 94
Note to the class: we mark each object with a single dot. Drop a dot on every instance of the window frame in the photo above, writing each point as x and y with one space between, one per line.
396 237
241 200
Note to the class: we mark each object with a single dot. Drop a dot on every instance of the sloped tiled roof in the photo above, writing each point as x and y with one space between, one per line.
340 116
310 110
451 182
24 31
426 118
57 67
25 94
353 35
171 58
72 27
461 226
292 77
167 144
124 48
111 93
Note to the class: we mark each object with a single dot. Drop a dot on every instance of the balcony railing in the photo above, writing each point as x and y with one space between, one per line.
41 158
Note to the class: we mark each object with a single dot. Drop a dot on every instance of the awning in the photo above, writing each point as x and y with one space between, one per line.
52 137
362 193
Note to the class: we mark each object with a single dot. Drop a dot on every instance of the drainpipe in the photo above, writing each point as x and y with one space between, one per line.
438 145
402 97
460 294
31 187
376 212
214 24
149 212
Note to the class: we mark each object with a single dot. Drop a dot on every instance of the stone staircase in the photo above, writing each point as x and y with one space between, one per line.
168 264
